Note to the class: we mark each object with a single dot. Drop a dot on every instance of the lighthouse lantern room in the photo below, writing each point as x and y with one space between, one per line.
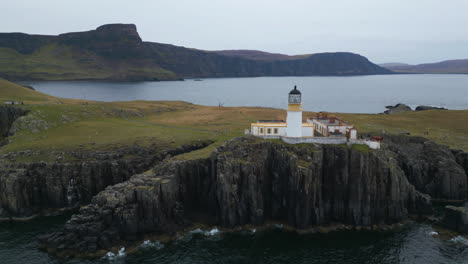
294 115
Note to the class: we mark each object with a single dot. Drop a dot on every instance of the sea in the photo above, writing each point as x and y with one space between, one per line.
356 94
413 243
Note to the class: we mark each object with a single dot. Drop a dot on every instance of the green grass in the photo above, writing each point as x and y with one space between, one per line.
59 62
13 92
56 124
448 127
361 148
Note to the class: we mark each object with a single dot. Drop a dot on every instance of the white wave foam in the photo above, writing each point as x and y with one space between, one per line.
212 232
156 244
460 240
112 256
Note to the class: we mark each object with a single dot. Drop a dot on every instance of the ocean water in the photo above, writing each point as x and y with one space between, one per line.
357 94
413 244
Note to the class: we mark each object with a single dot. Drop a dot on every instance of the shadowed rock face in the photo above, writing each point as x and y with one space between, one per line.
27 189
115 41
247 181
432 169
8 114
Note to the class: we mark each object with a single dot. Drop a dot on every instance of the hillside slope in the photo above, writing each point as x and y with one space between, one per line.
258 55
116 52
449 66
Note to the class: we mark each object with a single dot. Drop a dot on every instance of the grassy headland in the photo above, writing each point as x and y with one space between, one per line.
56 124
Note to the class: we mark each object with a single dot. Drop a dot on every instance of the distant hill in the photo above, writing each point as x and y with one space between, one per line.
449 66
116 52
259 55
393 64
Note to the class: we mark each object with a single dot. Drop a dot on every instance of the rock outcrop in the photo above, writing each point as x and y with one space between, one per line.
398 108
456 218
432 169
425 107
27 189
8 114
247 181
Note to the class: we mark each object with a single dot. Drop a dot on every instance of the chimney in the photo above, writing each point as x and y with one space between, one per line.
340 123
332 119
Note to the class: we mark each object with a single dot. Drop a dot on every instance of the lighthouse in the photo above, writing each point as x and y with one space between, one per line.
294 115
293 128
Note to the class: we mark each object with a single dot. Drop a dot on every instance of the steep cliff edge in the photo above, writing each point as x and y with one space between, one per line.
8 114
30 188
246 181
432 169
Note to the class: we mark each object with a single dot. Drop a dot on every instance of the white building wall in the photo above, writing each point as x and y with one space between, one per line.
307 131
294 124
342 129
282 131
255 130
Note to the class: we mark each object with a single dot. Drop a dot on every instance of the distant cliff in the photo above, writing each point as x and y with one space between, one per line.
251 181
116 52
449 66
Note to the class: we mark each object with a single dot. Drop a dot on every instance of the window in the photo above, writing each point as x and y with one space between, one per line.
261 130
275 131
269 131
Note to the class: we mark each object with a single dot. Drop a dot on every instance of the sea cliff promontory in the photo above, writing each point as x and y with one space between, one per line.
248 181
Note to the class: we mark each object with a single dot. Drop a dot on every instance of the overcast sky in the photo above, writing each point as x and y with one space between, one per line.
412 31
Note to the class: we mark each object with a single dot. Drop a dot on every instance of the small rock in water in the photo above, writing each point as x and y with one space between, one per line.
433 233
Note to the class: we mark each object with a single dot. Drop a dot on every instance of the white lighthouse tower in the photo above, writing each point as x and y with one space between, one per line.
294 117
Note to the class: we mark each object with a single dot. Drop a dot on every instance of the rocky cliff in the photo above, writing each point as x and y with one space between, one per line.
247 181
117 52
8 114
27 189
432 169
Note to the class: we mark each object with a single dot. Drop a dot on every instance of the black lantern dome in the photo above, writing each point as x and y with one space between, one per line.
295 90
295 96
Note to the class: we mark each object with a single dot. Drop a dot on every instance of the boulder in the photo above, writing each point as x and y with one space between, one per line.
425 107
398 108
456 219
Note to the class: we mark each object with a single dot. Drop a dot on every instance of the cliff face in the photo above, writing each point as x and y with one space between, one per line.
117 52
27 189
8 114
247 181
431 168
